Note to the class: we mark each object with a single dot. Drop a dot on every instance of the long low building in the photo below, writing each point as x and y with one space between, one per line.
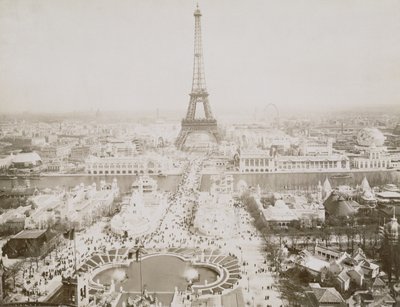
259 161
5 162
283 212
30 243
127 165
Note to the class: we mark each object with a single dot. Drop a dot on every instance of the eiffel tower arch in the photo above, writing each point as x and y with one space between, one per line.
192 127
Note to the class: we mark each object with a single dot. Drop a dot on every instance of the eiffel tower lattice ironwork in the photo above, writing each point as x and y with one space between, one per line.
198 95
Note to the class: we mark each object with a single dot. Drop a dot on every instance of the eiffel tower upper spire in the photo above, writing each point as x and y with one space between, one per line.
199 93
199 80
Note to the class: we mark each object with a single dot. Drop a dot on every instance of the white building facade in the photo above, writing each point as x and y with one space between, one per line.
372 158
259 161
140 164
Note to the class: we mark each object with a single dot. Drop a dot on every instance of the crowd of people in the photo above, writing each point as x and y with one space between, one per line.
174 230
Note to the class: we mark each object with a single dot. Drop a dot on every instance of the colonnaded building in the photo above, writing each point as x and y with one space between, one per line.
260 161
128 165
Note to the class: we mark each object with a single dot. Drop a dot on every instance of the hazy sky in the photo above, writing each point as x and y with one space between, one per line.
137 54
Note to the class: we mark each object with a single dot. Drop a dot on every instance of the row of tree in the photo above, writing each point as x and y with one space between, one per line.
345 235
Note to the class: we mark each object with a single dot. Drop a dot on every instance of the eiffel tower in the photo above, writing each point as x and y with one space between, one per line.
190 124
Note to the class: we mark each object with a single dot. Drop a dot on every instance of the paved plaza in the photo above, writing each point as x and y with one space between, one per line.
39 277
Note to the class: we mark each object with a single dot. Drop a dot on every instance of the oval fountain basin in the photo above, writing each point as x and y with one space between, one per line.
159 273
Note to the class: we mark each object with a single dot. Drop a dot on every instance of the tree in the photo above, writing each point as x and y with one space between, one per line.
306 241
295 237
389 255
295 224
325 235
362 234
305 276
12 271
339 232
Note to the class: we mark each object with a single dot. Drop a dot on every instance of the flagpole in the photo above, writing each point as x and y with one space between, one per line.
72 231
139 246
74 249
141 280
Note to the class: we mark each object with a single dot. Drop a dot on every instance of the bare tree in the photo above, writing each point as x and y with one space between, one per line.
12 270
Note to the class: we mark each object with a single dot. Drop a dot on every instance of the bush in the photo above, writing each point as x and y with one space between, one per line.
251 206
12 203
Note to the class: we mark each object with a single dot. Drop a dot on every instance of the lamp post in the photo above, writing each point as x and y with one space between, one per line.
141 276
139 247
363 236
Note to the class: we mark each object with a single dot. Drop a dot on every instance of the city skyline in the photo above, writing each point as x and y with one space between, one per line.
74 56
276 194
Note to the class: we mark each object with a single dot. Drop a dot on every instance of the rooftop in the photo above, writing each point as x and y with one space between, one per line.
279 212
327 295
26 157
313 263
312 158
29 234
337 205
388 194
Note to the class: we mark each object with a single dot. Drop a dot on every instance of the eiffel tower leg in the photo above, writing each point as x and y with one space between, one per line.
180 141
191 109
207 109
216 136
